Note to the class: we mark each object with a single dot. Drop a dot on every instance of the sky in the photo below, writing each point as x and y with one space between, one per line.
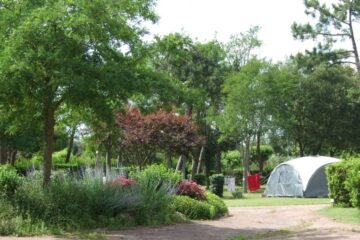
205 19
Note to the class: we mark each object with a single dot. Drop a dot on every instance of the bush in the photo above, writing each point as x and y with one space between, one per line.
220 207
193 209
231 160
123 182
9 181
352 183
217 184
92 203
336 175
191 189
211 208
200 178
237 194
156 174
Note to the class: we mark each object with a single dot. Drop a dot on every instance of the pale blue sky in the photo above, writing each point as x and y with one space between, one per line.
203 19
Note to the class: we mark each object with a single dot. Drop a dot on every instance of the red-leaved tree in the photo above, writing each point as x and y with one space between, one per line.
164 131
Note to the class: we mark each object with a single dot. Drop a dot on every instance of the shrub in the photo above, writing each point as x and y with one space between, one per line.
352 183
200 178
193 209
220 207
13 224
237 194
211 208
9 181
217 184
156 174
123 182
93 204
336 175
231 160
191 189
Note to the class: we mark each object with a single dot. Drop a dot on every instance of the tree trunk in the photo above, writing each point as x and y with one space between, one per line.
218 159
301 147
108 158
201 156
98 170
353 41
246 164
168 160
49 142
181 165
193 168
13 157
258 152
178 165
71 143
184 167
3 155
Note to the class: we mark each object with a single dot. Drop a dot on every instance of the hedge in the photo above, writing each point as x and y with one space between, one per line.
344 183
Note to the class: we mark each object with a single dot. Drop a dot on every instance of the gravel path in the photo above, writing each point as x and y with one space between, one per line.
275 222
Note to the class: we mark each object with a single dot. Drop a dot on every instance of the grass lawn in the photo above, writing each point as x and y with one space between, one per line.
347 215
255 199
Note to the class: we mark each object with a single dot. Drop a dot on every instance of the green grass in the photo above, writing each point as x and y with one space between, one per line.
265 235
346 215
255 199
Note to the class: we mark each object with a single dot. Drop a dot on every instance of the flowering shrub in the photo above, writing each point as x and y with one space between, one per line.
123 182
191 189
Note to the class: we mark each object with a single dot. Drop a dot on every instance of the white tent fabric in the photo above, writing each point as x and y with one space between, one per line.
300 177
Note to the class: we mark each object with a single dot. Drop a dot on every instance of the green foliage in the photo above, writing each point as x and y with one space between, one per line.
237 194
220 207
93 204
193 209
337 175
9 181
217 184
231 160
13 224
352 183
157 174
200 178
265 152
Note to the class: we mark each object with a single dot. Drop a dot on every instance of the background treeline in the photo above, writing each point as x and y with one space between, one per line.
77 78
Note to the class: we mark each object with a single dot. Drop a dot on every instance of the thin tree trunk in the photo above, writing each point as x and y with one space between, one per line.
301 147
49 142
258 152
353 41
184 167
246 164
168 160
3 153
71 143
201 156
108 158
181 165
13 157
218 159
178 165
193 168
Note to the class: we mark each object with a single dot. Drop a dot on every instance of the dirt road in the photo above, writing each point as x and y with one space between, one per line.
276 222
284 222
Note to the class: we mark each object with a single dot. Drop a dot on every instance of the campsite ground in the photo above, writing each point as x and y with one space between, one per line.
266 222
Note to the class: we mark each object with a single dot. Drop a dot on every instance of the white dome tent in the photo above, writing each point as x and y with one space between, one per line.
300 177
